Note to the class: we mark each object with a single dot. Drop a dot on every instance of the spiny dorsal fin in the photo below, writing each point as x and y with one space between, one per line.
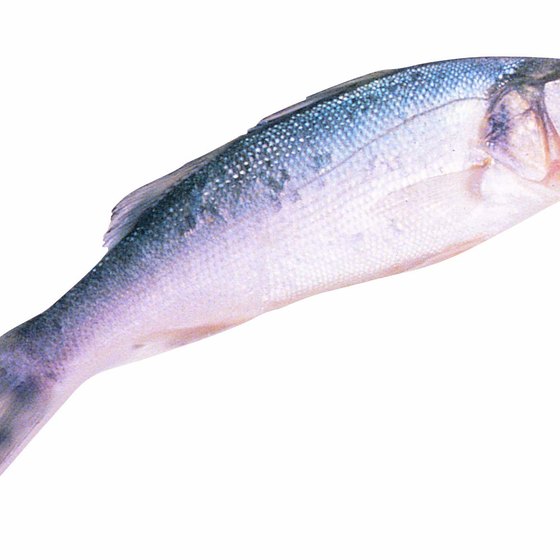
127 212
321 96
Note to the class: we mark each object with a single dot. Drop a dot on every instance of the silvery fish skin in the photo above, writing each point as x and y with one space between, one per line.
387 173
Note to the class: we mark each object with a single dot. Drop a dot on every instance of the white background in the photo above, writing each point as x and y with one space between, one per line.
412 417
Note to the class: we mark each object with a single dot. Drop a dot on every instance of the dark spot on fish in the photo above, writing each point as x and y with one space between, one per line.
5 435
294 196
414 76
395 88
26 392
320 160
4 381
275 185
498 125
194 200
284 175
189 223
276 204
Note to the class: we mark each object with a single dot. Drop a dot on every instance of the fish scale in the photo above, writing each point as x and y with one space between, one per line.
383 174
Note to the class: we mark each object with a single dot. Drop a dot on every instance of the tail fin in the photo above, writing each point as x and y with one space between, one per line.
28 398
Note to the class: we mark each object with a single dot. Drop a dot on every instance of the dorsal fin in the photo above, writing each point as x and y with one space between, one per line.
320 96
127 212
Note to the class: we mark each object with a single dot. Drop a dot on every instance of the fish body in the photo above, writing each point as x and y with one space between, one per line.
389 172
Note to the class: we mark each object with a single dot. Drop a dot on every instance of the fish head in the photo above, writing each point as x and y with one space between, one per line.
521 129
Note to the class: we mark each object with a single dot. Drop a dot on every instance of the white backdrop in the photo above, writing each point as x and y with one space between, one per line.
412 417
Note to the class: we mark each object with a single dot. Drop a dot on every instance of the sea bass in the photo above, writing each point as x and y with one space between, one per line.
389 172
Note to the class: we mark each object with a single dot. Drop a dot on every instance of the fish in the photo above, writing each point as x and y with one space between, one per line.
386 173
